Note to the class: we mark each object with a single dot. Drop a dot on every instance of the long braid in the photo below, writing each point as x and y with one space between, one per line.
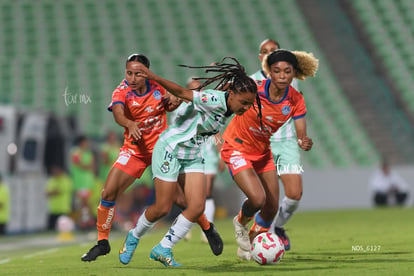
259 112
228 72
230 76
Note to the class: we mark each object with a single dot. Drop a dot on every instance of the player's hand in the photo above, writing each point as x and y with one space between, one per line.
171 102
145 72
175 100
305 143
133 130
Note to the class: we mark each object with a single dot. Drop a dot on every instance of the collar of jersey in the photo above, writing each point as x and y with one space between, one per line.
268 81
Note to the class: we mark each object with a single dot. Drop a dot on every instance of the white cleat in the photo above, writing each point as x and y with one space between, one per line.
243 255
242 235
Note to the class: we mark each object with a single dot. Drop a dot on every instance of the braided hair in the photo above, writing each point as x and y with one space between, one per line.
230 76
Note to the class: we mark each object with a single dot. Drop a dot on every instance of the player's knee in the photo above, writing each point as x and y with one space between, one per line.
258 201
196 210
180 201
164 210
296 196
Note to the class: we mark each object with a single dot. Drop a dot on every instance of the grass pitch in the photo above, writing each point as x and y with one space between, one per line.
357 242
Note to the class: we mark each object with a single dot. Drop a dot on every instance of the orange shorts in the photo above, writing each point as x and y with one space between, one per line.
238 161
132 164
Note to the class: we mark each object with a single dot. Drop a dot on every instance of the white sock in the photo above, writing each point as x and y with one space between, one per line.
142 227
286 210
177 231
210 209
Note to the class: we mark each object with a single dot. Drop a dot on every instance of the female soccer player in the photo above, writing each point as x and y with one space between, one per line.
212 165
286 155
246 149
139 105
177 156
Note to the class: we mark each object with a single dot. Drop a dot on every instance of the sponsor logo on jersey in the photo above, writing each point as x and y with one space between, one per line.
149 109
134 103
259 82
123 158
236 160
204 98
157 94
286 110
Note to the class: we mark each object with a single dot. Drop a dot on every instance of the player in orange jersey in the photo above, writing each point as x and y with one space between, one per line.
246 150
140 106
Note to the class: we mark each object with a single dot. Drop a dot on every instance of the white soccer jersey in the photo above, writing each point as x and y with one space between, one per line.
259 75
195 123
288 130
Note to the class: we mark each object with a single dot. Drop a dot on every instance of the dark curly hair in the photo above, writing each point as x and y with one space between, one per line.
230 76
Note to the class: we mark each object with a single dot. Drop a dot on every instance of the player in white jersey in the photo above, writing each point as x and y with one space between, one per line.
286 154
177 153
212 165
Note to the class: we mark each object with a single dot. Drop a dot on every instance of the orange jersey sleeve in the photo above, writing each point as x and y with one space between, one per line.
148 109
245 132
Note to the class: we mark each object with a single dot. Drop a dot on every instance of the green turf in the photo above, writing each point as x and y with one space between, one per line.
351 242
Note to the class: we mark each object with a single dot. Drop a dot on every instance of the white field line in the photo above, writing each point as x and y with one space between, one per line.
5 261
39 253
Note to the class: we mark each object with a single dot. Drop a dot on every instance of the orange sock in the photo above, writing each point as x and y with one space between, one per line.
105 216
255 230
203 222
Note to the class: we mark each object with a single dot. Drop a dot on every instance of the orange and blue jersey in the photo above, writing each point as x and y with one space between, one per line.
245 133
148 109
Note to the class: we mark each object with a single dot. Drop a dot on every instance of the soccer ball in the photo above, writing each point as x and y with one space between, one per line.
267 248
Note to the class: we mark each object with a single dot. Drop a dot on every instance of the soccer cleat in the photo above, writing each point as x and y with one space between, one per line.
100 249
242 236
280 232
128 249
214 239
163 255
243 255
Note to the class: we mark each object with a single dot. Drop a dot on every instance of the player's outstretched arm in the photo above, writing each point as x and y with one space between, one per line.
171 87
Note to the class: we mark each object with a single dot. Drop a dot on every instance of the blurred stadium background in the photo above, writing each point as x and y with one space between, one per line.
60 61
